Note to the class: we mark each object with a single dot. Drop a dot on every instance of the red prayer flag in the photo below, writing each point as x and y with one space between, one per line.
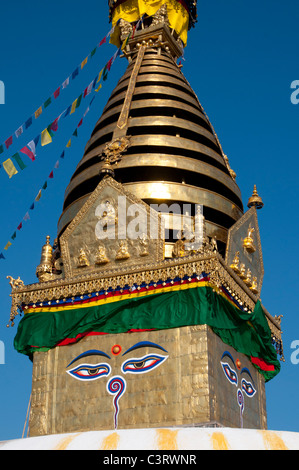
56 93
51 175
8 142
54 125
103 41
109 64
20 226
80 123
28 152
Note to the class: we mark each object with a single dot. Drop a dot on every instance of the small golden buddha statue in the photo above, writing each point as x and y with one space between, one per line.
242 271
235 263
179 249
254 286
82 259
101 257
248 243
122 252
143 242
247 280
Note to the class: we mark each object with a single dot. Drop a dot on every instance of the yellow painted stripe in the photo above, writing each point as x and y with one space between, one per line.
219 441
272 441
167 439
110 442
64 443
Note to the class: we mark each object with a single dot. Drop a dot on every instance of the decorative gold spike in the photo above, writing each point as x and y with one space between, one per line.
255 200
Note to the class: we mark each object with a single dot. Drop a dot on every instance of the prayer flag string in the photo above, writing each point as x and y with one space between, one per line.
32 153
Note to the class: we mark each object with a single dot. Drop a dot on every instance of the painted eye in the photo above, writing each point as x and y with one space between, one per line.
248 388
143 364
229 373
90 371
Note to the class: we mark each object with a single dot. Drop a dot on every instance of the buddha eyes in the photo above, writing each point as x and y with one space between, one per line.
136 365
230 373
143 364
248 388
90 371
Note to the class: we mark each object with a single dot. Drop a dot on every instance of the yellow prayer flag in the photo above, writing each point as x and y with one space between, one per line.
69 144
7 246
100 86
38 112
46 138
39 195
9 168
84 63
74 106
100 76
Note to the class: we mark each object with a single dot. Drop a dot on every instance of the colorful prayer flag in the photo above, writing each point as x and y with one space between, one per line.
80 123
7 246
38 112
75 133
88 89
100 76
79 101
103 41
8 142
46 138
69 144
33 144
28 152
19 132
99 87
28 122
47 102
56 93
32 206
45 185
93 52
73 109
1 149
75 73
39 195
56 165
10 168
84 63
54 125
26 216
66 83
51 175
62 155
2 256
13 237
19 161
20 226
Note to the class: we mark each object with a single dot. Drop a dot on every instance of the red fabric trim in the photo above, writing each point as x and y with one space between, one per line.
262 364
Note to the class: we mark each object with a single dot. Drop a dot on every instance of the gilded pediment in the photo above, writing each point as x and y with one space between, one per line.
244 251
113 231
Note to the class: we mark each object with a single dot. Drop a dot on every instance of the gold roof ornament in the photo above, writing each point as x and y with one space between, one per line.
255 200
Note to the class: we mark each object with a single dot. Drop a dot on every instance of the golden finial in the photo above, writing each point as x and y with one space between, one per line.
255 200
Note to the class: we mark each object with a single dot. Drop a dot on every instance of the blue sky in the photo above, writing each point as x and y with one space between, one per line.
241 60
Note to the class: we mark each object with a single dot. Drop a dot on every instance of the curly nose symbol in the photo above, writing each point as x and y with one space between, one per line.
116 387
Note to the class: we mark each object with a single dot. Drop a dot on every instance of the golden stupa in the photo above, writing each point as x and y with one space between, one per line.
147 311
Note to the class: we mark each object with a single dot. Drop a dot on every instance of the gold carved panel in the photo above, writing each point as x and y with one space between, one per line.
244 251
113 232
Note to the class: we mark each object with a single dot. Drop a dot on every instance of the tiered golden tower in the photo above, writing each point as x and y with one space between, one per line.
147 310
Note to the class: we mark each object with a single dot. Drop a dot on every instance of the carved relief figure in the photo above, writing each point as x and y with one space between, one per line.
101 257
82 259
122 252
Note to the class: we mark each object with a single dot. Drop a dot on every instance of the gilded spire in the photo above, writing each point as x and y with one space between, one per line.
255 200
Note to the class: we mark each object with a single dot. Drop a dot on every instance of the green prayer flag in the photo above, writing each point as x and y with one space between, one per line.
1 149
75 133
79 101
93 52
45 185
19 161
14 235
47 102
